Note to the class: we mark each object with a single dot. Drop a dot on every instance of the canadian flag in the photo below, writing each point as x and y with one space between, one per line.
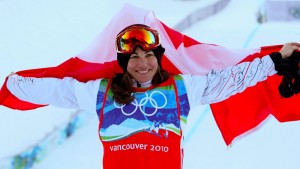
184 55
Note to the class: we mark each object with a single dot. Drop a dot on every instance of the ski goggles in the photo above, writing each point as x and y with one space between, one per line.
144 37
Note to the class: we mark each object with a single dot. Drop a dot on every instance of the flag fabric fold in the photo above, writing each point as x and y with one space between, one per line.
234 116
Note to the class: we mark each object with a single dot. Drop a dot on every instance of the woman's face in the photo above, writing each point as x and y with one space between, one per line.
142 65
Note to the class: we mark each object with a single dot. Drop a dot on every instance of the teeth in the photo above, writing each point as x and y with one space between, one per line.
143 71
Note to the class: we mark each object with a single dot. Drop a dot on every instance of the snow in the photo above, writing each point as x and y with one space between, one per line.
38 33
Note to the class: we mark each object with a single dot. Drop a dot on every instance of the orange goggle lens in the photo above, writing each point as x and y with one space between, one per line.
145 37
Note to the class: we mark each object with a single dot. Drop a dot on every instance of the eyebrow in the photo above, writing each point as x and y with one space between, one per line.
145 52
148 51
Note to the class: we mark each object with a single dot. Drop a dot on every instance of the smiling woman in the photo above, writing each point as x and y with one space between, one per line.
139 55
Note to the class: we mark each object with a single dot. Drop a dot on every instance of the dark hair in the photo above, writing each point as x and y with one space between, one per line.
122 85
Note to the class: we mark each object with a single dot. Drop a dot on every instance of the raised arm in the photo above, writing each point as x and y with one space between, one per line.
218 85
65 93
235 79
225 83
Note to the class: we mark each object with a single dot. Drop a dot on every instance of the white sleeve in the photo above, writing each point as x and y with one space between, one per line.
65 93
235 79
217 86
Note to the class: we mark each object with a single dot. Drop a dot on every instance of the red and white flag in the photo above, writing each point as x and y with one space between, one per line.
184 55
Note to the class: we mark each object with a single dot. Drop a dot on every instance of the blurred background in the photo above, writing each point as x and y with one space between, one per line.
38 33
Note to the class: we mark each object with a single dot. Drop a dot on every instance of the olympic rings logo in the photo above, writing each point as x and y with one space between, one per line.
142 103
295 12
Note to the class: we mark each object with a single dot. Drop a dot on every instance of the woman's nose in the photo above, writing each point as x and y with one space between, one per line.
143 62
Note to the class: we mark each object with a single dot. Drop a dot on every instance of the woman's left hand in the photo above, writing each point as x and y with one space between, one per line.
289 48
